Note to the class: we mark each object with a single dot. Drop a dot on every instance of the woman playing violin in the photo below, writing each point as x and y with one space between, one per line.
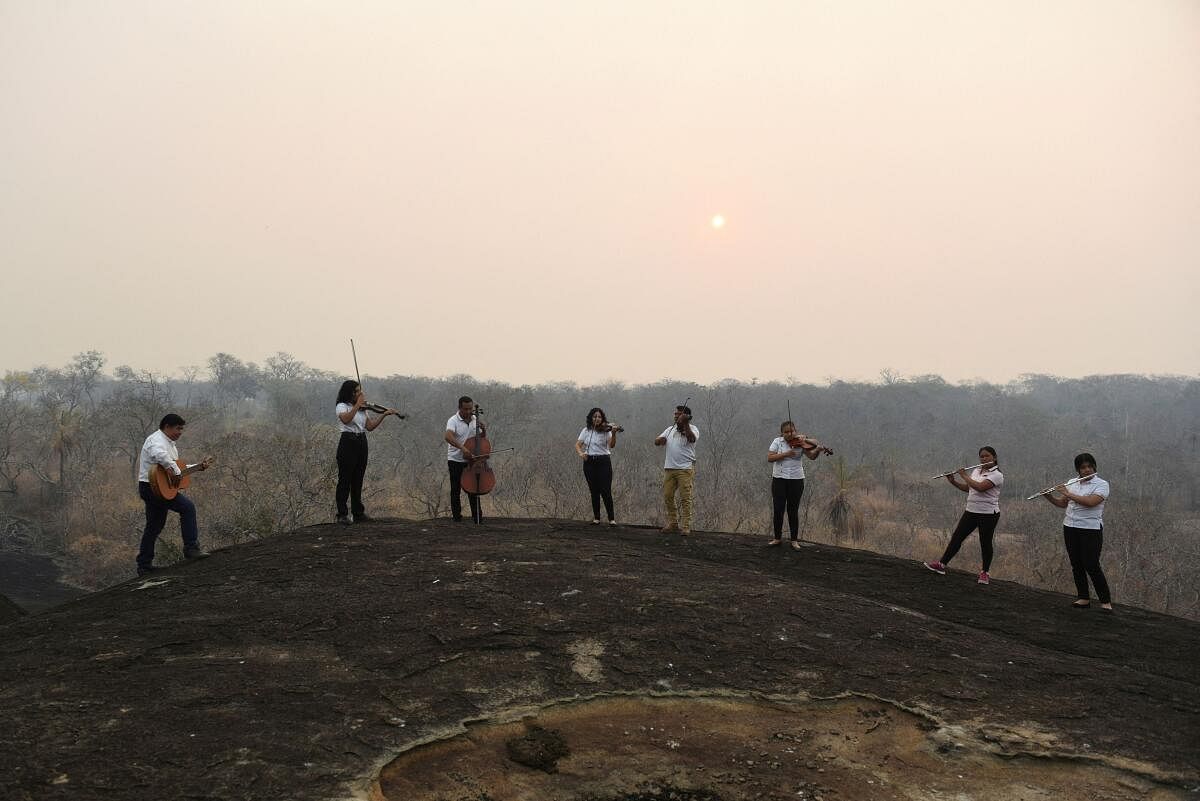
786 454
353 423
594 446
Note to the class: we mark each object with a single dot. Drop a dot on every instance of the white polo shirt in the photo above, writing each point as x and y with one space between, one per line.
357 424
462 430
988 501
786 468
681 454
595 443
1080 516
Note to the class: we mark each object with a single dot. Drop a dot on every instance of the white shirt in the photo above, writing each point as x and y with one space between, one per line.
681 454
157 449
357 424
595 443
988 501
1080 516
462 430
786 468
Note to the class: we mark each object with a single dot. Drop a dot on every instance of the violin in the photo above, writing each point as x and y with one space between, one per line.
613 427
375 407
805 444
478 478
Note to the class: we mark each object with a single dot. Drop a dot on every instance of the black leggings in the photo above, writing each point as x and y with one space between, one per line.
1083 549
598 472
786 494
352 467
986 523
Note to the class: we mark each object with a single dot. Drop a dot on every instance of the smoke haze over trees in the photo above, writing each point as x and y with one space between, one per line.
70 438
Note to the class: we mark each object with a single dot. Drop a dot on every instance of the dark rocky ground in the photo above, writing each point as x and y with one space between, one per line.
301 666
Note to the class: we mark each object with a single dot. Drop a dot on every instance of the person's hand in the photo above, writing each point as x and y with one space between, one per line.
174 478
962 471
582 456
1061 489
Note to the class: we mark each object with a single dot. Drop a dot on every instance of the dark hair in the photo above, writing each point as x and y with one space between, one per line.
992 451
1085 458
593 410
171 419
347 392
785 424
464 399
685 409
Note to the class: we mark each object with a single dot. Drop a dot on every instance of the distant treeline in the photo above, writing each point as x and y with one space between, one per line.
70 437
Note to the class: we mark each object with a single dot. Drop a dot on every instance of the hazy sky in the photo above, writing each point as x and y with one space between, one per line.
524 191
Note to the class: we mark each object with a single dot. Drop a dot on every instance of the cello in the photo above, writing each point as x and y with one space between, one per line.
478 478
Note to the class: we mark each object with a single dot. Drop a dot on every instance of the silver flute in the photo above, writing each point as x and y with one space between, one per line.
952 472
1049 490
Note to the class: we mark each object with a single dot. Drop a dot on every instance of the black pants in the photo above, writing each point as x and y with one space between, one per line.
456 471
352 467
986 523
786 494
597 470
1083 549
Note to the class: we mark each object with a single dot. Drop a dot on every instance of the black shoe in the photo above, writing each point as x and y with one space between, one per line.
196 553
145 571
343 520
364 518
457 519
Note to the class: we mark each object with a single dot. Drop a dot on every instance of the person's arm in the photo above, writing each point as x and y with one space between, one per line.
373 422
455 443
983 485
161 456
1061 503
612 438
778 456
1083 500
347 416
580 450
958 485
690 433
661 439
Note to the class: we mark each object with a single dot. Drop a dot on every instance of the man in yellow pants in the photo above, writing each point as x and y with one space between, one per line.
679 469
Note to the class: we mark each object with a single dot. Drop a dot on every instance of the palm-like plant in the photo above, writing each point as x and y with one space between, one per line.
841 511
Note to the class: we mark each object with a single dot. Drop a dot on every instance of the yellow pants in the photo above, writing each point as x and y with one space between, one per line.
683 481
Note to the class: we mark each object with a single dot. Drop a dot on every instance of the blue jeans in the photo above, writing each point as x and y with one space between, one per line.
156 518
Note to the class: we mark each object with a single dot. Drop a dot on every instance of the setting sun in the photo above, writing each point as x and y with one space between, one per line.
718 221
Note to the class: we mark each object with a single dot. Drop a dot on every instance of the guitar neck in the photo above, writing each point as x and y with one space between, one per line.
191 468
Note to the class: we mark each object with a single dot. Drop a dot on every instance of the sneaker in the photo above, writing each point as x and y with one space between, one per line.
936 567
796 545
774 542
612 522
983 577
596 522
685 531
196 553
364 518
668 528
343 520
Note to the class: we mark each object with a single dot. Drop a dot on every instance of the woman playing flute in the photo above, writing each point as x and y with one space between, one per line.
1083 530
982 486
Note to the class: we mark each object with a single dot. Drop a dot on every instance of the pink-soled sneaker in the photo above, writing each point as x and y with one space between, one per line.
936 567
983 577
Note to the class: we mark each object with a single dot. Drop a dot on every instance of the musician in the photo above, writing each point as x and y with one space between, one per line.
787 479
353 423
460 428
594 446
160 449
982 486
1083 530
679 471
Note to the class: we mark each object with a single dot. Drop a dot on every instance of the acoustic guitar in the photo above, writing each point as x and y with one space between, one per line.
166 486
